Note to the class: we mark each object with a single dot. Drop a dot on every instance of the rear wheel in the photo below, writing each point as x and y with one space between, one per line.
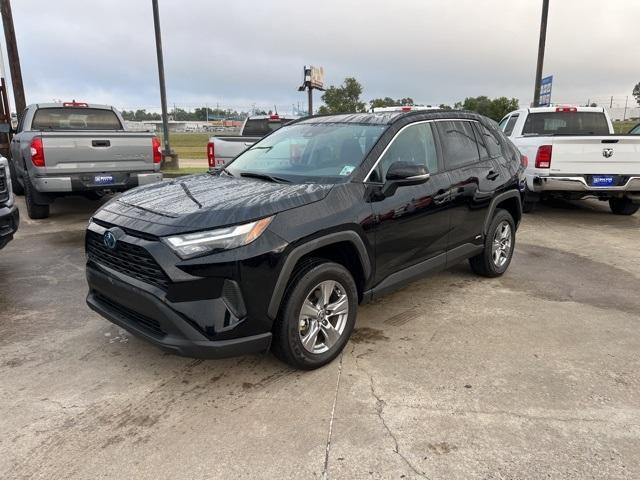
623 206
35 210
18 188
498 246
317 317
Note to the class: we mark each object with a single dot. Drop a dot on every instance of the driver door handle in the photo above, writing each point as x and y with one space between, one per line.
492 175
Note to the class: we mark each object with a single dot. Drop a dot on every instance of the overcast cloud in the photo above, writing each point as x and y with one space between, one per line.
240 52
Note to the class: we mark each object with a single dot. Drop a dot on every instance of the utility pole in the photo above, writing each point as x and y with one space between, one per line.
169 158
626 101
541 46
14 59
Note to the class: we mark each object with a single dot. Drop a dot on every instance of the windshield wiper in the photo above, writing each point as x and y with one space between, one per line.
263 176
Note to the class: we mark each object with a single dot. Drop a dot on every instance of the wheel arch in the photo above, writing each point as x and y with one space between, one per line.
346 248
510 201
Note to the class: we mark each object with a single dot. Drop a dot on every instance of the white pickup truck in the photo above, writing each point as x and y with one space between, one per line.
573 153
221 150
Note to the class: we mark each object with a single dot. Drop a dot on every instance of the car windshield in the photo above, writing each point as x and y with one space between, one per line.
308 152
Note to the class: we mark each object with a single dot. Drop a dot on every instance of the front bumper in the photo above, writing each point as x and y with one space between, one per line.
154 319
630 184
9 222
85 182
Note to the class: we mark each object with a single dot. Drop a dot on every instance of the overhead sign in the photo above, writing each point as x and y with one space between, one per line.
316 76
545 91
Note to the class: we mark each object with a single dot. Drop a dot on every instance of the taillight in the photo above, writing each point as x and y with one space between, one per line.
37 152
524 160
543 157
211 155
157 150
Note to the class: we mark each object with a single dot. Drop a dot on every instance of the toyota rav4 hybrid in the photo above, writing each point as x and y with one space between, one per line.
279 248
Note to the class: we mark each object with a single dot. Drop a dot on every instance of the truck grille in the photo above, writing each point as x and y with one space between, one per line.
149 324
128 259
4 187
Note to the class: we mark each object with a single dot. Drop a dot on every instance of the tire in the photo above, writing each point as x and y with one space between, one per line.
36 211
623 206
18 188
485 263
294 340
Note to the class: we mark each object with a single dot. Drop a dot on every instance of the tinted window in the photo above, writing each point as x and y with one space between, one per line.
309 152
635 130
458 143
75 118
491 142
259 127
508 128
414 144
566 123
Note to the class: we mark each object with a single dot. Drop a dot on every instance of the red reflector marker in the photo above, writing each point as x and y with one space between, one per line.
543 157
524 160
406 109
37 152
156 149
211 157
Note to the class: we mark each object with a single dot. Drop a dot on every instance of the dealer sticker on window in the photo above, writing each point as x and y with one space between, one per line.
346 170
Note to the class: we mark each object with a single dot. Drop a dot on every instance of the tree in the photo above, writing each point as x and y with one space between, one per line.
390 102
495 109
343 99
636 93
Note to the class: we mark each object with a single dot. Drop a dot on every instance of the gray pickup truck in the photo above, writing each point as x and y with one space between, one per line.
221 150
78 148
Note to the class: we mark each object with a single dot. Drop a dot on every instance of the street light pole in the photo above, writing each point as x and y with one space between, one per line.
163 92
541 46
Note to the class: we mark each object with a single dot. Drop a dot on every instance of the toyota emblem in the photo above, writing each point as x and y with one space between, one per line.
109 239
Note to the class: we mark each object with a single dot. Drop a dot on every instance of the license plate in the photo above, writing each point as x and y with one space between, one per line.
103 179
602 181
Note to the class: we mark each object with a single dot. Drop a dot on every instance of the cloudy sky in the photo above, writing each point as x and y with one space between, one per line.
240 52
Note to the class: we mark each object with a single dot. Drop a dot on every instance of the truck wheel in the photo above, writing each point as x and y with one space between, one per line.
317 316
498 246
35 210
18 188
623 206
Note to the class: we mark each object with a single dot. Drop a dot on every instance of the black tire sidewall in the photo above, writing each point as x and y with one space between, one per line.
35 210
289 338
623 206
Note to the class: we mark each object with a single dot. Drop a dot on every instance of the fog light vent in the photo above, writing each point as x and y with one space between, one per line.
232 297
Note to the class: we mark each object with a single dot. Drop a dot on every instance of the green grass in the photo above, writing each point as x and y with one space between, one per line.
189 145
185 171
624 127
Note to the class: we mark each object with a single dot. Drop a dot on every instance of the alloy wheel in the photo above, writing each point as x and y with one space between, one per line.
501 248
323 316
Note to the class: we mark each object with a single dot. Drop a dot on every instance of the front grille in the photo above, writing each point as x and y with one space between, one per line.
145 323
126 258
128 231
3 184
4 187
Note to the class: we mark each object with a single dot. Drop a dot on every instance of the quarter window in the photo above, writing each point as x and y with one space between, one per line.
491 141
458 143
415 144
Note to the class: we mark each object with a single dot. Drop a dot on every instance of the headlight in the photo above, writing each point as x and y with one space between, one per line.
193 244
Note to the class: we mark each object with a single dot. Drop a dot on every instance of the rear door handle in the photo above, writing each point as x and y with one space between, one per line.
100 143
492 175
441 197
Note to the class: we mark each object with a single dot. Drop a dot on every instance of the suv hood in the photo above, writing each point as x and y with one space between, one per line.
205 201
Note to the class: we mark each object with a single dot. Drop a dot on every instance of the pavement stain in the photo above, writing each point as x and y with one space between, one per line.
367 335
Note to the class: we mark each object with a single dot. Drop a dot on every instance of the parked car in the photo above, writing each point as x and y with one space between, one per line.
575 154
635 130
221 150
279 247
78 148
9 215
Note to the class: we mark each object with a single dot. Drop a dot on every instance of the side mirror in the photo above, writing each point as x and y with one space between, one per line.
401 174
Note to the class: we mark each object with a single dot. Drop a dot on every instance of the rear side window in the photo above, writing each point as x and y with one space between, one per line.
508 127
75 118
635 130
491 142
566 123
259 127
458 143
414 144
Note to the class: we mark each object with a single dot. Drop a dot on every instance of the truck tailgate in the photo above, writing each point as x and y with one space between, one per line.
618 155
73 152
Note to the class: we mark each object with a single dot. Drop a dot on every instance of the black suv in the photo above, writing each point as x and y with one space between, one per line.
281 246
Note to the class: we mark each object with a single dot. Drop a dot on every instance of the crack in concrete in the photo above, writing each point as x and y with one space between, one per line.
325 470
380 404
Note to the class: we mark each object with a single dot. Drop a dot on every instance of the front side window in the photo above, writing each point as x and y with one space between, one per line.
459 144
511 123
75 118
309 152
414 144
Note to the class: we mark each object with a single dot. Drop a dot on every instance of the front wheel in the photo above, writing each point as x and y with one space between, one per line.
317 317
623 206
498 246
